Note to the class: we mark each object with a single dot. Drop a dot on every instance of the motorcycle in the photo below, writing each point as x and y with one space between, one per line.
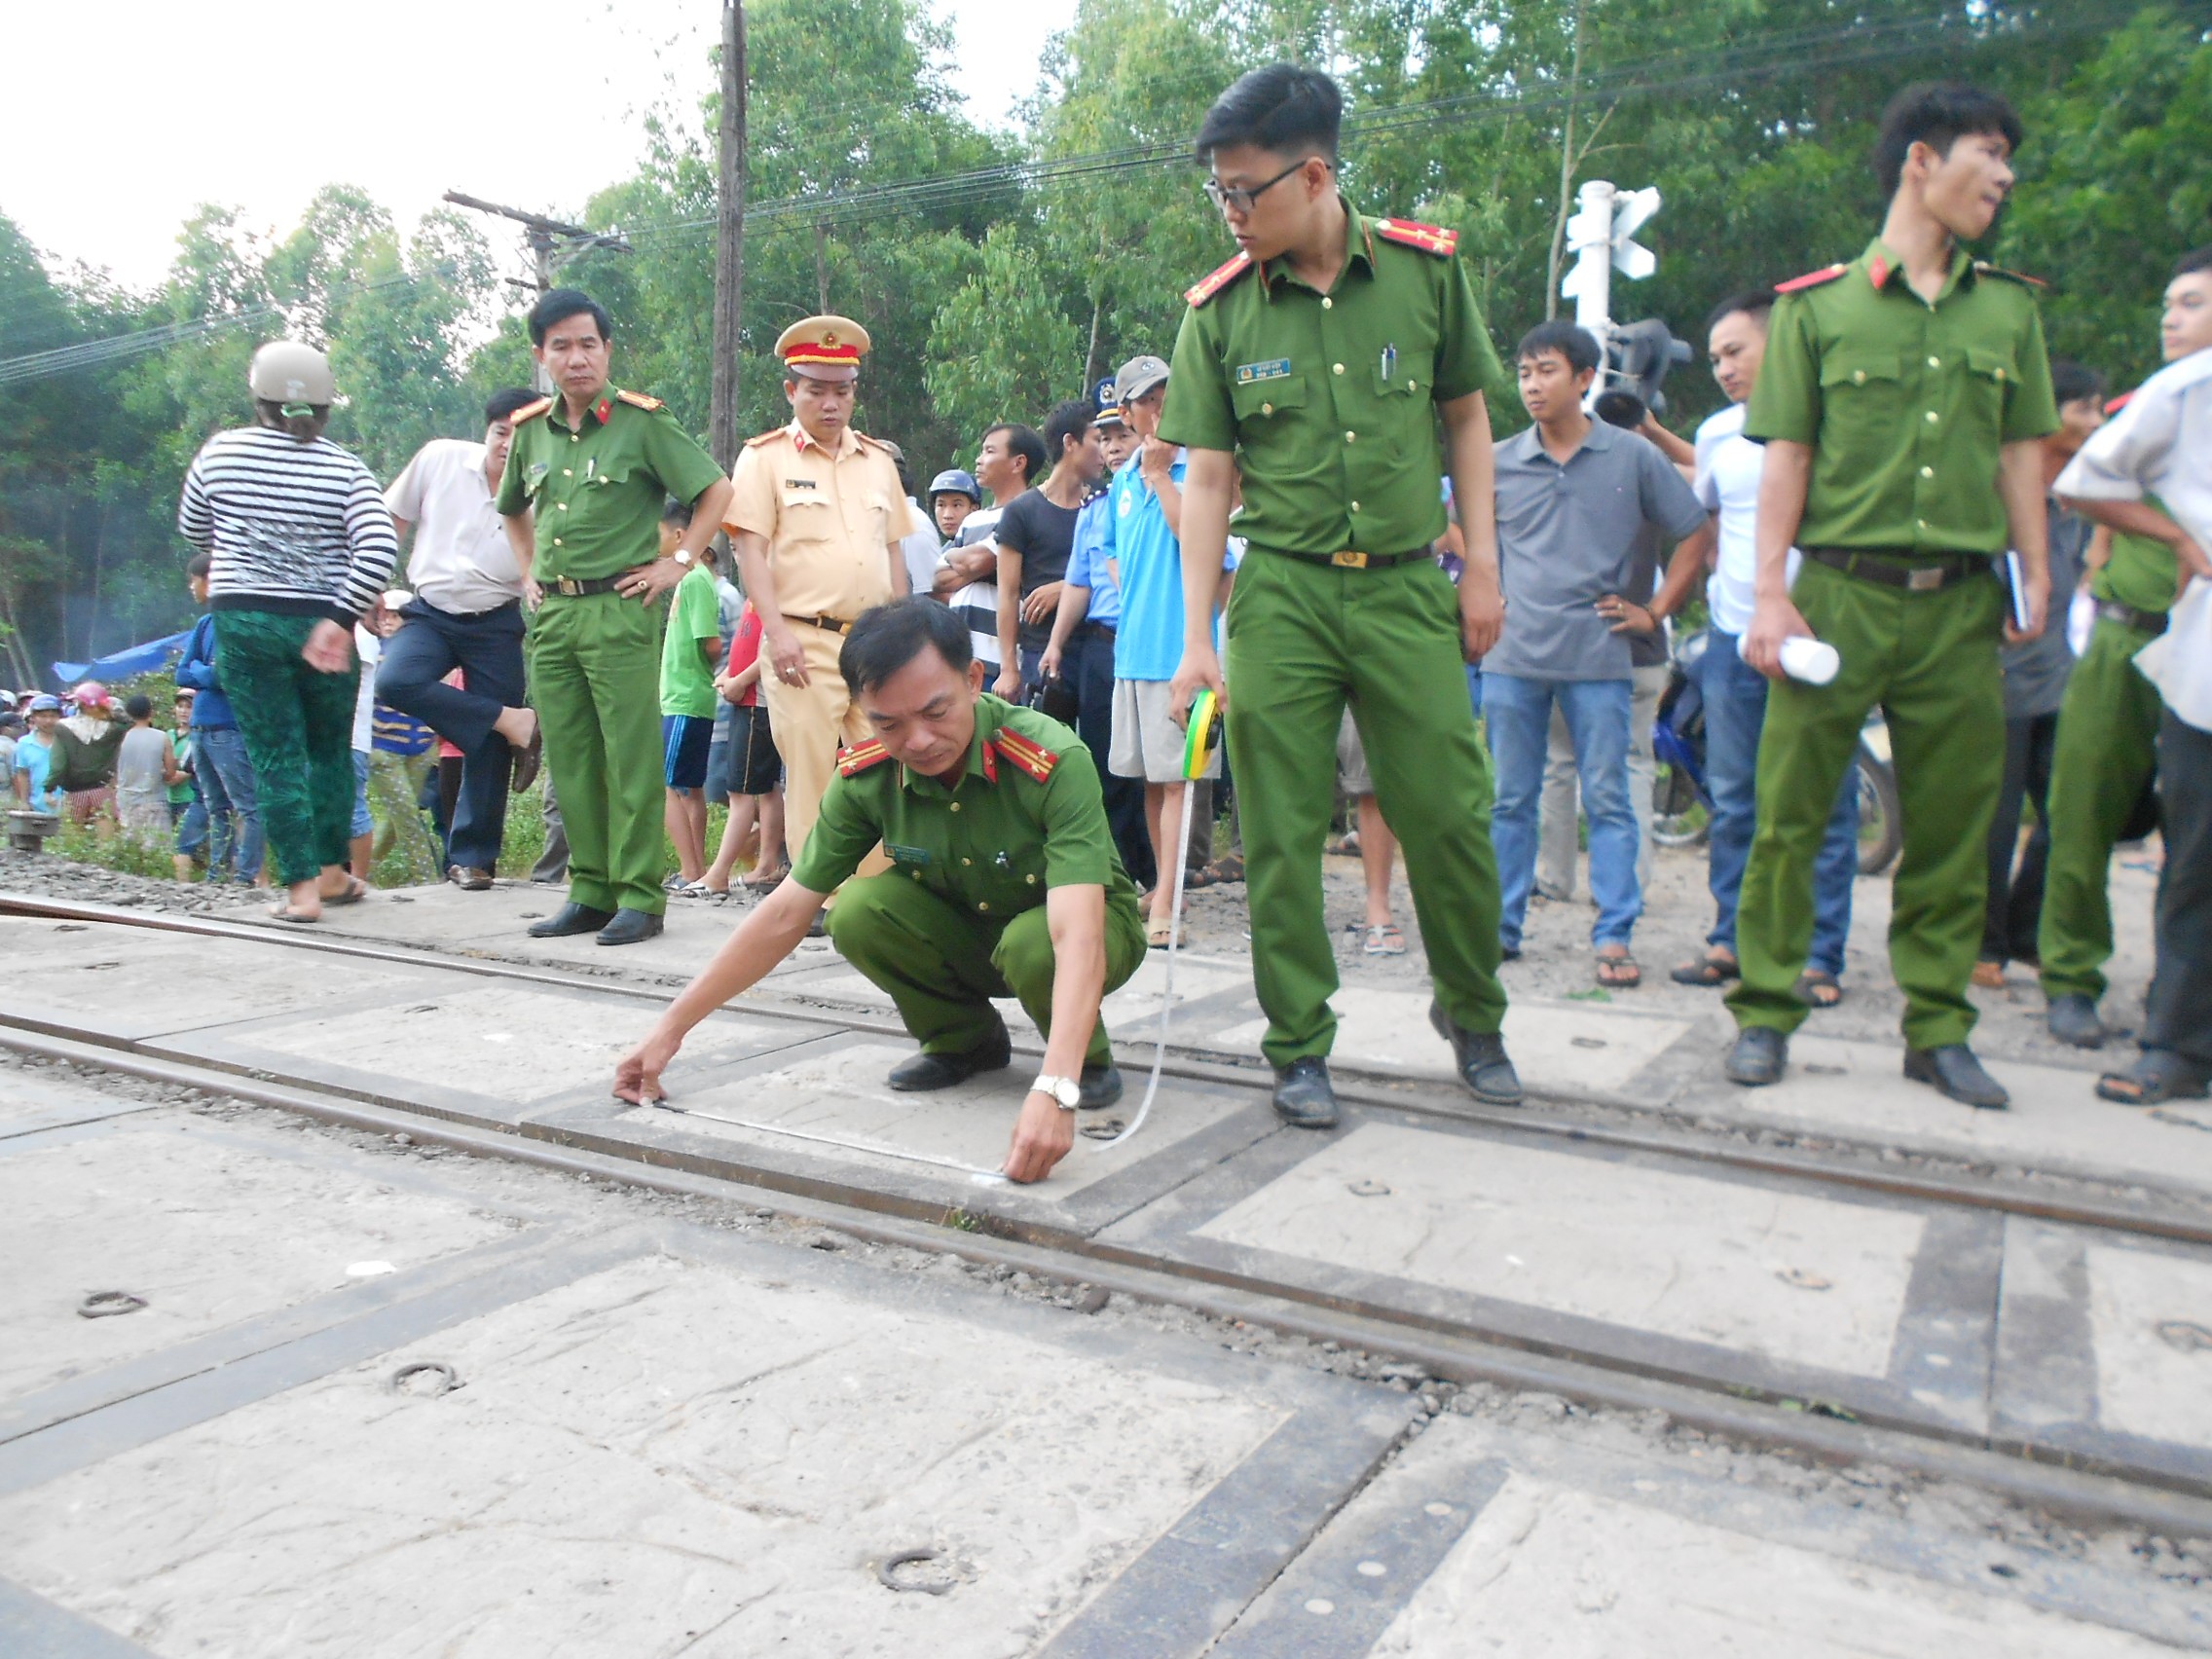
1682 807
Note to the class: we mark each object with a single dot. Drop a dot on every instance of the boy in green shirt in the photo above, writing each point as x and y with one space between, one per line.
688 650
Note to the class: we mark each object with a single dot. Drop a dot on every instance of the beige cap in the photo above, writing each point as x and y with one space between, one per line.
824 348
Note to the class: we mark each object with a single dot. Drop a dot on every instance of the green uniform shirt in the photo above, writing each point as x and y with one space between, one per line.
597 489
994 845
2141 573
1328 398
1905 404
687 682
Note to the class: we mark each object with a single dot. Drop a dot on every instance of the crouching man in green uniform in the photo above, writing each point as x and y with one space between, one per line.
1316 366
1900 403
2108 728
587 476
1004 882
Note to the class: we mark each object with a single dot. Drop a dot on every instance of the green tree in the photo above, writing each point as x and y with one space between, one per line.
1000 349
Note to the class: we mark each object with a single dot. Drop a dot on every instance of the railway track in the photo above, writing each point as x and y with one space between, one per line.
1926 1316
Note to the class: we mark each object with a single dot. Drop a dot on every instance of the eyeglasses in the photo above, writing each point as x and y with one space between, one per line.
1244 201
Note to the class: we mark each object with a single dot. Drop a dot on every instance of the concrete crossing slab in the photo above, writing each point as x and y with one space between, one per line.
2150 1326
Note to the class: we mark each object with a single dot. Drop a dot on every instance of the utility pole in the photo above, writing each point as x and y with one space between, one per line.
729 245
553 242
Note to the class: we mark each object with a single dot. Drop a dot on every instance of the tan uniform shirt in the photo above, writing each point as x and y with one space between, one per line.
829 519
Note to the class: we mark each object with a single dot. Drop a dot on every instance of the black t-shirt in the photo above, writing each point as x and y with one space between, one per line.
1044 534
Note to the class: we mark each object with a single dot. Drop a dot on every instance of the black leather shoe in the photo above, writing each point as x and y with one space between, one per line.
630 927
570 918
1101 1085
2073 1019
925 1072
1480 1057
1953 1070
1758 1057
469 880
1304 1099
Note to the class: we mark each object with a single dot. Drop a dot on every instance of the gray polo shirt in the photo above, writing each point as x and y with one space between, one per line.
2035 673
1567 536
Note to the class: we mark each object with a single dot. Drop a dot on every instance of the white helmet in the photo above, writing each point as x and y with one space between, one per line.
284 371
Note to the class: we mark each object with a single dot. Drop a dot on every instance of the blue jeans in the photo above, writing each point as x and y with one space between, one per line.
363 823
226 782
1519 712
1734 711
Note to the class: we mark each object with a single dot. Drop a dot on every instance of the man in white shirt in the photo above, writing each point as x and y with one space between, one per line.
467 613
1727 483
2159 447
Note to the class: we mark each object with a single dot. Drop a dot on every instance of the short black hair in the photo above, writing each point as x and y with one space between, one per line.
2069 382
1281 108
138 706
676 512
1024 442
1938 114
500 404
2191 263
198 565
1578 345
1753 303
886 637
558 305
1069 419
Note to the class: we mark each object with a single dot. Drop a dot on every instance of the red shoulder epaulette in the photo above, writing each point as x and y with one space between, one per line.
530 412
1982 268
1811 279
861 757
2118 403
639 400
1201 292
1026 753
1430 238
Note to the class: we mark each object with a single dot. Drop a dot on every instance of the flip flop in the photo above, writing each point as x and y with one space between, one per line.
2157 1074
1811 983
1385 939
355 892
1710 972
285 914
1619 973
1155 934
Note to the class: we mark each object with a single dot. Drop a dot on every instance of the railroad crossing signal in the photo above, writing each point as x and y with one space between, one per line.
1602 237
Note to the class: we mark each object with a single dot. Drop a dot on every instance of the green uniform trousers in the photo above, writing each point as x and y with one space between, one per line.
297 723
1303 638
2108 732
1930 660
595 681
942 965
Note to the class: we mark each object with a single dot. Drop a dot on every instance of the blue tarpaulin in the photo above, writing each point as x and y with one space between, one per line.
123 664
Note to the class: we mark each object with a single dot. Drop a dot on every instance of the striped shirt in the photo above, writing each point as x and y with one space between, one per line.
298 528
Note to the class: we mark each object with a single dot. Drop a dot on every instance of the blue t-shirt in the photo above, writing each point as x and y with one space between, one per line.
1150 559
1088 567
37 759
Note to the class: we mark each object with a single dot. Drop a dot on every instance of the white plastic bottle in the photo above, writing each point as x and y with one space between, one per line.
1813 661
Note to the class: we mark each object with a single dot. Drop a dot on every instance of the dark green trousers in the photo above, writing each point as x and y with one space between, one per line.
1930 660
942 965
297 723
2108 732
595 681
1303 640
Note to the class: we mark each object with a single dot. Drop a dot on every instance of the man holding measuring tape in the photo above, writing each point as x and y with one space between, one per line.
1004 882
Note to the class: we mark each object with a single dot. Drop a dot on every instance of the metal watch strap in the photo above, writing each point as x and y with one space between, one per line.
1066 1092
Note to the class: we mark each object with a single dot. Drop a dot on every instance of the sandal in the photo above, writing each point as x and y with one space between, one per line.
1228 868
1157 932
1385 940
1814 981
1203 876
285 914
773 882
1989 975
1346 845
356 889
2157 1074
1710 971
1618 973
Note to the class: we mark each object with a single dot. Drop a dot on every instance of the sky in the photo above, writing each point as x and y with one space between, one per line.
130 115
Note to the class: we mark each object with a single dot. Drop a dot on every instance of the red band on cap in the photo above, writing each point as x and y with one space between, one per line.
808 353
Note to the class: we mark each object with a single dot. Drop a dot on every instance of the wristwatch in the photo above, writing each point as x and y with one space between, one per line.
683 556
1066 1092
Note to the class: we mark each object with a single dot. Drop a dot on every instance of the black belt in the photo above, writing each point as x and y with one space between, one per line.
828 624
1352 560
1096 631
1888 568
573 587
2152 622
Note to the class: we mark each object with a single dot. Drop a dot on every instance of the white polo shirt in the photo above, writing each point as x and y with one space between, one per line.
1728 487
461 563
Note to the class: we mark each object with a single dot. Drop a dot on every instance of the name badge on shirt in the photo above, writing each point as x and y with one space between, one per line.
1276 368
535 472
907 855
798 483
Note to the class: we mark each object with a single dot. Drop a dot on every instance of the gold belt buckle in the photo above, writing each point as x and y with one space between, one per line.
568 587
1348 559
1922 578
